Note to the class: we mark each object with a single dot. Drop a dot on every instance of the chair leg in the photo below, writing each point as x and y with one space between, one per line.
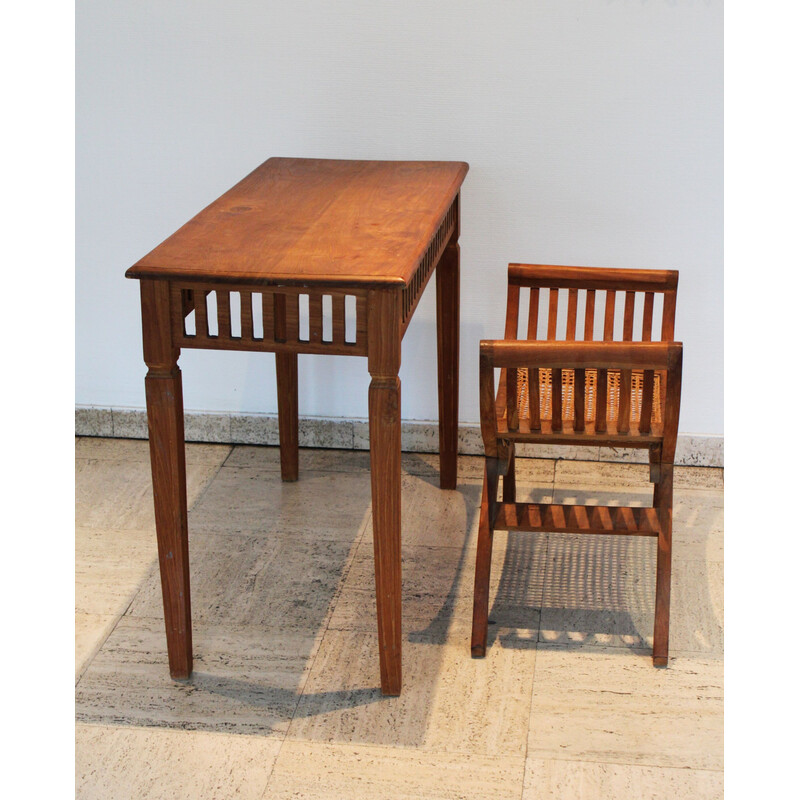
510 481
663 567
480 607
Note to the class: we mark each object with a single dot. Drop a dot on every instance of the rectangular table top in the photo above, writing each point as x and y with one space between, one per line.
320 221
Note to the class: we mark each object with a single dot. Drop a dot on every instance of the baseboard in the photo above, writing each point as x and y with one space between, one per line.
698 450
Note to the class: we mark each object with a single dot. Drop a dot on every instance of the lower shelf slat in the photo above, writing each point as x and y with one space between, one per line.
577 519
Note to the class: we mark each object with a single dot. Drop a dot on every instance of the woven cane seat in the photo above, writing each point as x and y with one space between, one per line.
527 425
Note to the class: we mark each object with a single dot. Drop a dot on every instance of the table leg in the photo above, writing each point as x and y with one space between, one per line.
384 447
164 396
384 336
447 308
286 371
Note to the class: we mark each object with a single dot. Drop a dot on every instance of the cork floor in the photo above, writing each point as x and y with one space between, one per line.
284 699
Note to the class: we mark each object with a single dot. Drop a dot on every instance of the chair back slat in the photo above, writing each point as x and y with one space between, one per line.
627 324
647 317
533 314
668 318
512 312
588 320
608 326
572 314
552 315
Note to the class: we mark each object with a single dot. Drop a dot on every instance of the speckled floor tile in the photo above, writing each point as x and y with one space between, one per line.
450 702
697 526
280 581
580 780
132 763
110 565
612 705
245 680
600 590
437 591
91 630
601 473
269 458
331 505
439 518
139 450
317 771
119 494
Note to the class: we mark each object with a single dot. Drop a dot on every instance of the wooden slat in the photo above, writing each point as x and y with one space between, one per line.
533 315
626 376
224 314
624 413
512 312
647 317
627 323
552 315
315 317
647 401
608 328
292 317
580 402
280 318
572 314
588 323
512 393
534 398
556 389
201 315
337 318
668 317
601 401
361 320
268 300
577 519
247 315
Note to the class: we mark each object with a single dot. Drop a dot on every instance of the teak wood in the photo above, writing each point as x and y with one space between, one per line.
304 256
603 388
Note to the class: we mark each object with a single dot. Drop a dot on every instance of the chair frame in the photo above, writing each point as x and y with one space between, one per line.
501 428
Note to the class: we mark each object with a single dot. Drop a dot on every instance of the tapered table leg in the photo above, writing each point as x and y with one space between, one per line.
286 371
164 397
447 316
384 336
384 437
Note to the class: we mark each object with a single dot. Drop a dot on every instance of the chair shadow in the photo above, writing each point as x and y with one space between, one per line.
586 590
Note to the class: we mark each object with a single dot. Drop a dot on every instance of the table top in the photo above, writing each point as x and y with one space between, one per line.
320 221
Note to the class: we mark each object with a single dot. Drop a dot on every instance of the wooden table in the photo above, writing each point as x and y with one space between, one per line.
355 243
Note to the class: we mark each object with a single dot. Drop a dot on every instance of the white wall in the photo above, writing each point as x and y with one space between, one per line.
593 130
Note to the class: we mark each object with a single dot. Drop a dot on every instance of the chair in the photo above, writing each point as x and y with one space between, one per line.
593 385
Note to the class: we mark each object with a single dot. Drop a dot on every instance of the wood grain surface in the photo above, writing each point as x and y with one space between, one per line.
329 221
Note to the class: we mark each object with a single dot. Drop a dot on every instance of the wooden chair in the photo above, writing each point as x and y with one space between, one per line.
593 386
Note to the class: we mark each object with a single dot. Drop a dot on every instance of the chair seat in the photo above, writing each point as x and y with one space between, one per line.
527 430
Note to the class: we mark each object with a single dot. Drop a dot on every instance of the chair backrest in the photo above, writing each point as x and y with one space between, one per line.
591 304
